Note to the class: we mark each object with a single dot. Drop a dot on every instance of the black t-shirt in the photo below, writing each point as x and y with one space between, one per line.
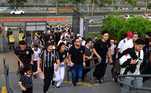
62 56
102 48
24 55
57 37
77 54
26 81
88 53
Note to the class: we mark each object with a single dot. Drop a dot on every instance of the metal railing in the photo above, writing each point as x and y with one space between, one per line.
132 87
6 74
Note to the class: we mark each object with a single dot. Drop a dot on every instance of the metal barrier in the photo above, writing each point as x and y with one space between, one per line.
134 87
6 74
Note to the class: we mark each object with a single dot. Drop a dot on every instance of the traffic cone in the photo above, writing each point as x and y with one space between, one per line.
4 89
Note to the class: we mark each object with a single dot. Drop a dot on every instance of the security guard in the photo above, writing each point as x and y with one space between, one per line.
21 36
11 40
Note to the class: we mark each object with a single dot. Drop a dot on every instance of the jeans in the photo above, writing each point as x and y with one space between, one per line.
77 73
68 73
136 82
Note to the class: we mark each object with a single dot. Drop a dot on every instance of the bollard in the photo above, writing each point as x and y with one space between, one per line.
4 89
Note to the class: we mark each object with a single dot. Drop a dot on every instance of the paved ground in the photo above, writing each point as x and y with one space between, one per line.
107 87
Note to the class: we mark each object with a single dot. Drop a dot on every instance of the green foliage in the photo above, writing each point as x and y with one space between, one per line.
114 25
71 1
117 26
16 3
102 2
132 2
92 35
108 1
138 24
149 5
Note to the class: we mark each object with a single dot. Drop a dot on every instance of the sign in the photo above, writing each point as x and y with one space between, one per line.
13 19
14 24
52 10
35 23
66 10
36 26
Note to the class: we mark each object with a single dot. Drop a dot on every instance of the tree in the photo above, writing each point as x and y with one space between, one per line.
102 2
132 2
92 35
114 25
71 1
138 24
117 26
75 2
149 5
17 3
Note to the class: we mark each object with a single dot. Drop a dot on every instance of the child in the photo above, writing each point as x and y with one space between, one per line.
25 82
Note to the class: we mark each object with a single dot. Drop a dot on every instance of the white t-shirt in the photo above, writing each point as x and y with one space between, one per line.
125 57
125 44
36 55
113 46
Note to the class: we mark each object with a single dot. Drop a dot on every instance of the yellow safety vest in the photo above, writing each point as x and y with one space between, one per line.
20 37
11 38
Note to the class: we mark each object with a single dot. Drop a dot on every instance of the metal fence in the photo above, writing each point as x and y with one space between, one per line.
134 89
6 74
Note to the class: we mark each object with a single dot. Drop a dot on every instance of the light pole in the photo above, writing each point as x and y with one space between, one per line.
93 4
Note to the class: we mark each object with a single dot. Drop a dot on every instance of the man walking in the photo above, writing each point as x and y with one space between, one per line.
77 57
49 56
130 62
102 51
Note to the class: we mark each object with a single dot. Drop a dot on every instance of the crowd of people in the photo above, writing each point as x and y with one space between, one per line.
51 53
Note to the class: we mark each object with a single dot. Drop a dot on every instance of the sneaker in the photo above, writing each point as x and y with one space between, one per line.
53 83
80 83
57 86
74 84
101 81
115 79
